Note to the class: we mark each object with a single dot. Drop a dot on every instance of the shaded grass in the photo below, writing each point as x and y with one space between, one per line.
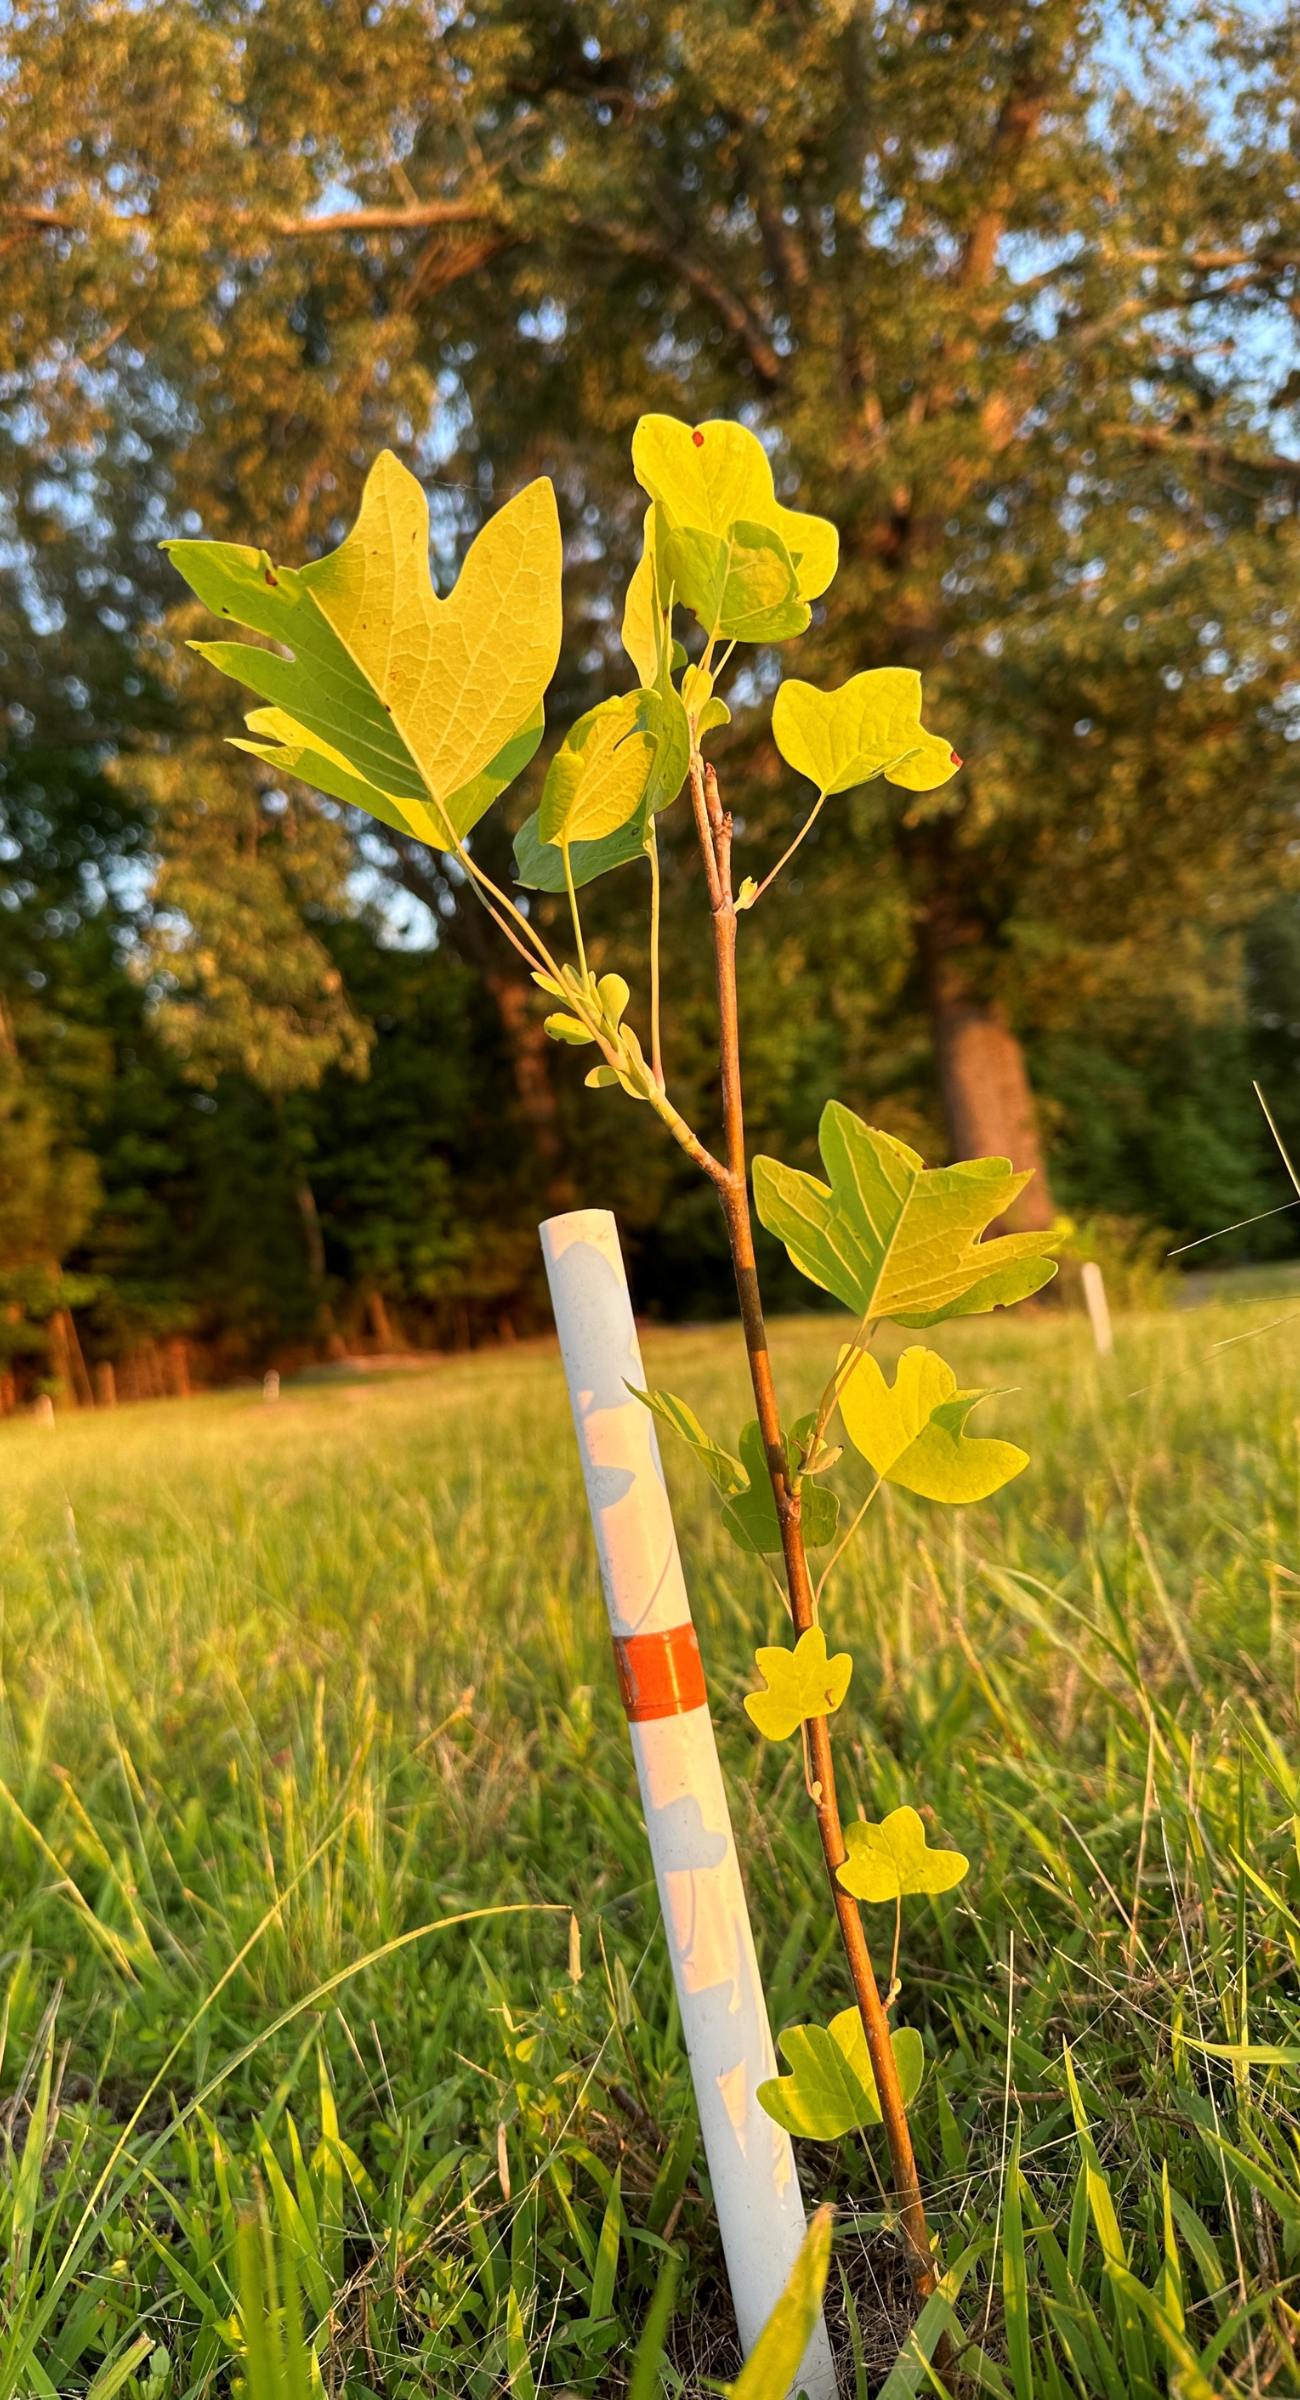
298 1681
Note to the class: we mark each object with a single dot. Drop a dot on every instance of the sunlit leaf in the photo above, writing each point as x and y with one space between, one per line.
539 865
801 1683
644 621
911 1431
740 584
616 768
291 750
871 726
832 2089
891 1860
597 779
770 2371
893 1238
716 475
416 696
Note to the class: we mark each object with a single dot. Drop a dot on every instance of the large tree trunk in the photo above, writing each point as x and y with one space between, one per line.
988 1104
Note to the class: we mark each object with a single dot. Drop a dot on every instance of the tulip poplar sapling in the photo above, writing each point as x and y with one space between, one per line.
422 711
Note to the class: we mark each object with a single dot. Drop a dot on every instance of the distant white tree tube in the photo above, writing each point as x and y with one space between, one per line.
710 1941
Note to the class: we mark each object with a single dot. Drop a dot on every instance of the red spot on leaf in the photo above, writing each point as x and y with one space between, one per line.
273 580
698 438
953 756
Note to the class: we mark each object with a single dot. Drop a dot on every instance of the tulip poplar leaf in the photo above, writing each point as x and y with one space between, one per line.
741 584
291 750
711 477
871 726
892 1860
801 1683
891 1237
413 696
539 865
644 621
831 2089
912 1431
621 762
743 1484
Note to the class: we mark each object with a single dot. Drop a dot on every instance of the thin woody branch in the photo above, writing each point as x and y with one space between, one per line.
713 825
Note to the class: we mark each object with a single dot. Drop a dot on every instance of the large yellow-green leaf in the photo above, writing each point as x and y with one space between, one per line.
832 2088
749 1509
413 696
741 585
891 1860
291 750
770 2370
871 726
710 476
801 1683
911 1431
891 1237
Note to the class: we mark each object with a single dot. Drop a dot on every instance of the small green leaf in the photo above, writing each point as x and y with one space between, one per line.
613 995
871 726
832 2090
711 476
893 1238
633 750
801 1683
539 865
911 1432
715 712
750 1516
749 1512
891 1860
597 779
741 584
519 2373
569 1029
723 1470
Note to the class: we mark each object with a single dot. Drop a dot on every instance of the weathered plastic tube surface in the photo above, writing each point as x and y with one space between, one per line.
724 2014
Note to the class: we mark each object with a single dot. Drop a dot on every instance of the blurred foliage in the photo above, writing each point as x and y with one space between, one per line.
1007 294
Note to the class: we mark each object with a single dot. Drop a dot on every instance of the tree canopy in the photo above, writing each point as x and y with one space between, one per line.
1009 294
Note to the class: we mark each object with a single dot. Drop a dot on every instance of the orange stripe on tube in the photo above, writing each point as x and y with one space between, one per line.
659 1674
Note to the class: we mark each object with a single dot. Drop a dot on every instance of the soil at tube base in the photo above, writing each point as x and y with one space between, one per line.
660 1677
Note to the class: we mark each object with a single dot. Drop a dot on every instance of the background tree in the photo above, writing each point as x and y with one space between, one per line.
1010 295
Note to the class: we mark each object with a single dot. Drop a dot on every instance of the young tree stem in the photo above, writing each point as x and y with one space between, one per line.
713 825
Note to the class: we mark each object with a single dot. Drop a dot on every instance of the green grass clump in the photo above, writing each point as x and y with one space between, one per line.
284 1685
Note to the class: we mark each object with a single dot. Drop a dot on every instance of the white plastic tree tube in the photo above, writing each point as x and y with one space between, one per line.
706 1920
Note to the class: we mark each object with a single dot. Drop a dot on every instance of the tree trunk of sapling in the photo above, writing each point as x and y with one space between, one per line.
714 828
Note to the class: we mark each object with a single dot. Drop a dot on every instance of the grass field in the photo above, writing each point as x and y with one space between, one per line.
284 1685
